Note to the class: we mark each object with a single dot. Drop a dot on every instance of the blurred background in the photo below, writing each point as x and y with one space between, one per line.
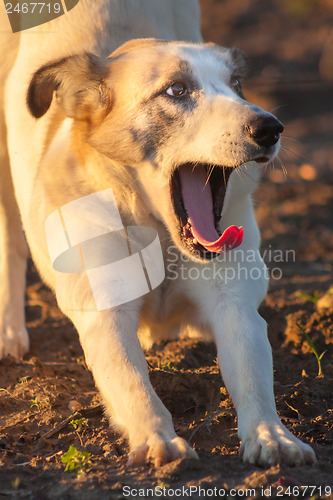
290 49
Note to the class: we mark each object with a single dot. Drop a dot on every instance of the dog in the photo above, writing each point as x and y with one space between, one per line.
102 99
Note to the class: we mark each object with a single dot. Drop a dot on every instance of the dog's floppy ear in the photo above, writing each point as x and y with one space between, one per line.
79 85
240 60
236 56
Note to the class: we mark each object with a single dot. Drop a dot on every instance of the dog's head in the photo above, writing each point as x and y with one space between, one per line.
174 113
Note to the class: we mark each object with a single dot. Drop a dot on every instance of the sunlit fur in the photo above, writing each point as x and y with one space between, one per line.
98 122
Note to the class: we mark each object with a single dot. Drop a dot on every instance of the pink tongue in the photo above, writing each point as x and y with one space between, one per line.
198 202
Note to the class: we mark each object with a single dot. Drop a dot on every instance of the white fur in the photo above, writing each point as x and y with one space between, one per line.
43 182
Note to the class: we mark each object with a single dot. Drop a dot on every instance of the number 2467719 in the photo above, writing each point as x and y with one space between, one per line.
33 8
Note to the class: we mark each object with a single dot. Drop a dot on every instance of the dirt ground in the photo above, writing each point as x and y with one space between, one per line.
290 44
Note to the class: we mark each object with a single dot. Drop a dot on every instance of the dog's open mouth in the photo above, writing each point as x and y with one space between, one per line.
197 194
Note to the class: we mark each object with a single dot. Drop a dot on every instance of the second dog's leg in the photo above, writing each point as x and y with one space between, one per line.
13 249
13 257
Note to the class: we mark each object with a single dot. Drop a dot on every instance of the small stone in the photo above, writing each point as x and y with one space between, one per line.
74 405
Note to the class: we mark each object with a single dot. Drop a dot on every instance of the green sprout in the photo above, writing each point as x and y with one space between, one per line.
16 483
76 460
311 298
162 484
78 424
313 349
168 366
35 402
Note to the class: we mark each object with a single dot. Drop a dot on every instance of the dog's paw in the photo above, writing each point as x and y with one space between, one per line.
160 451
13 342
271 443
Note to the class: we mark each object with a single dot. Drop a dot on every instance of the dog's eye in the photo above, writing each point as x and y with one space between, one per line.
177 89
236 85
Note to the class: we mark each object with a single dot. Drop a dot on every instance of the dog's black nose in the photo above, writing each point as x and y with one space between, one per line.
265 130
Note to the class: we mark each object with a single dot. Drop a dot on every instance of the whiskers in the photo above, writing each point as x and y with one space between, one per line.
271 166
277 107
243 171
225 176
210 171
290 151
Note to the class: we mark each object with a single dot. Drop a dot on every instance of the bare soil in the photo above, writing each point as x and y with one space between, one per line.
289 43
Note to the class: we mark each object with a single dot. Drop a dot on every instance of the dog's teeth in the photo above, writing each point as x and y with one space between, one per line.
187 231
189 228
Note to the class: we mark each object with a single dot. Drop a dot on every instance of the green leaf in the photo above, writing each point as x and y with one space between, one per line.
322 354
313 349
311 298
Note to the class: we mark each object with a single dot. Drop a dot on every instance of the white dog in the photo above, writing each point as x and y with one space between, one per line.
165 126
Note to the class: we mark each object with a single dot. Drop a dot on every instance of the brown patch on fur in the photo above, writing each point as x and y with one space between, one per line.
41 88
80 132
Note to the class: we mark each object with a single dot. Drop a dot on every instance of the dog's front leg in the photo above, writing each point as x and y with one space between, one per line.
245 359
114 355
